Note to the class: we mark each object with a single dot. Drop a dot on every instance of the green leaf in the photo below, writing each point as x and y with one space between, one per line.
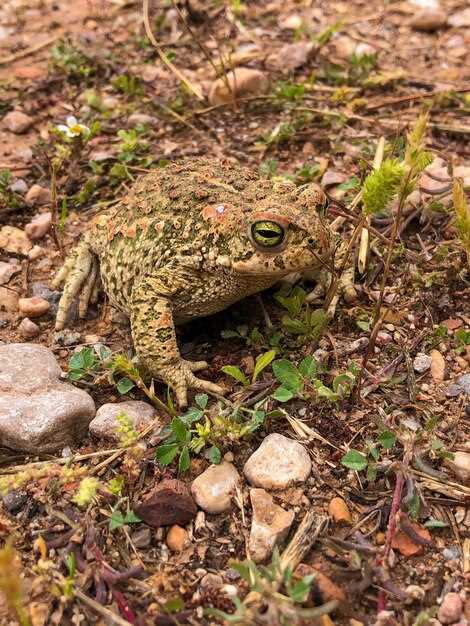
124 385
363 325
184 460
215 456
262 361
76 374
116 520
193 414
297 327
89 359
77 362
236 373
435 523
355 460
375 453
387 439
325 392
131 518
293 302
342 383
300 590
371 472
413 505
201 400
230 334
282 394
166 453
308 367
287 374
174 605
179 429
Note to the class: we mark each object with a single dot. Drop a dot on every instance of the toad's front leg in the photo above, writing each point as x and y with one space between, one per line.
154 336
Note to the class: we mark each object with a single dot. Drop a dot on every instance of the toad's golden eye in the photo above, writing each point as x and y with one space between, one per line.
267 234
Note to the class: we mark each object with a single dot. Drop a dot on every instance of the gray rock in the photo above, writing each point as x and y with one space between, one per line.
39 225
37 195
67 337
14 501
141 538
105 424
450 609
460 385
38 412
278 463
213 489
7 270
28 329
17 122
19 186
141 118
269 527
452 553
421 363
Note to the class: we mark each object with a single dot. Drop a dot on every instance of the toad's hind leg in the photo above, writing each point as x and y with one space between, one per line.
78 274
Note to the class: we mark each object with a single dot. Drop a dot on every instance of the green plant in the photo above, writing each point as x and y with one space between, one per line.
132 145
72 61
288 91
358 461
71 565
118 520
381 186
307 324
8 197
86 492
126 431
261 363
11 583
128 84
462 216
274 592
360 66
462 338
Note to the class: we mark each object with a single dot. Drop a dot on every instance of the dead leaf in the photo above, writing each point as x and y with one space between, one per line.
405 545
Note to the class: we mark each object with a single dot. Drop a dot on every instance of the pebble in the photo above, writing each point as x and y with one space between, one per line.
460 385
451 554
39 413
33 307
169 503
213 489
210 580
36 252
450 609
269 527
460 19
460 466
291 22
429 20
142 538
19 186
38 195
28 329
177 538
278 463
243 81
17 122
383 338
332 177
66 337
14 240
105 425
39 225
7 270
141 118
15 500
339 512
421 363
293 55
357 344
8 300
438 366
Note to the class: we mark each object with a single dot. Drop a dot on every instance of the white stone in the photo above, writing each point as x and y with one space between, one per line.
421 363
213 489
278 463
105 424
269 527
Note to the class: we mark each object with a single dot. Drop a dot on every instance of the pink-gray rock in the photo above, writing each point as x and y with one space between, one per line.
7 270
450 609
17 122
278 463
460 466
269 527
238 83
37 195
8 300
429 20
39 225
213 489
28 329
14 240
19 186
38 412
105 424
33 307
460 385
141 118
294 55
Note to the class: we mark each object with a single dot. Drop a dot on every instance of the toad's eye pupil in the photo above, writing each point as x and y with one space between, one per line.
267 234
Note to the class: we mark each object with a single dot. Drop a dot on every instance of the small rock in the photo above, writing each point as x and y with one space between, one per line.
452 323
37 196
19 186
421 363
211 581
294 55
339 512
169 503
141 118
15 500
438 366
39 226
404 543
383 338
39 413
28 329
460 385
142 538
243 81
331 177
25 155
7 270
67 337
8 300
269 527
36 252
278 463
451 608
14 240
460 466
33 307
461 19
429 20
177 539
213 489
452 553
357 344
291 22
105 425
17 122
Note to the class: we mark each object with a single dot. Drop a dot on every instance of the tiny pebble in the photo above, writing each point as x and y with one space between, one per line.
33 307
229 457
36 252
28 329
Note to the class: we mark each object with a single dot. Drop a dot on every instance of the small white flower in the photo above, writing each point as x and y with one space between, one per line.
73 127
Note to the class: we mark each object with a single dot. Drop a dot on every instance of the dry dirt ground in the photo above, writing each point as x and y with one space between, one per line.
358 71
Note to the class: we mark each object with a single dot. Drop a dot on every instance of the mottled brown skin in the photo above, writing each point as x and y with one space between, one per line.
180 245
